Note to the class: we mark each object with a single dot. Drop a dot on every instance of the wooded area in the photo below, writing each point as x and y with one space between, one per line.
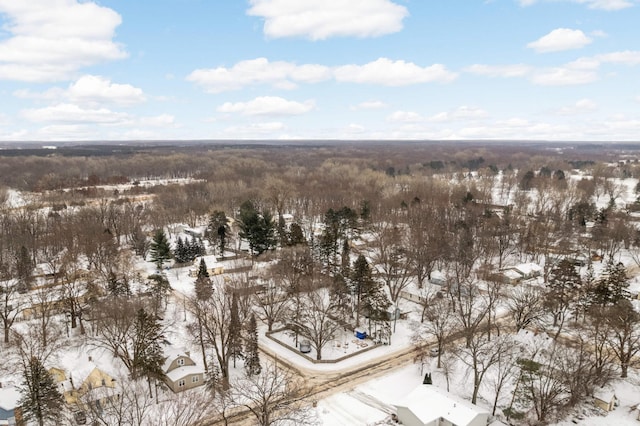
335 236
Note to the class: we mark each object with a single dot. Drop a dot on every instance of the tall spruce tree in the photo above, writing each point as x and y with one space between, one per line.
252 358
257 228
361 281
160 249
148 355
235 331
376 303
203 284
180 253
612 286
563 285
41 401
218 230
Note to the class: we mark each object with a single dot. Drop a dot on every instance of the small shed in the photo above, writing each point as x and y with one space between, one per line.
605 399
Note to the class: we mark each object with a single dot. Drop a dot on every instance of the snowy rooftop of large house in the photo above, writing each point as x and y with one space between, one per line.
428 402
528 268
173 353
512 274
184 371
209 259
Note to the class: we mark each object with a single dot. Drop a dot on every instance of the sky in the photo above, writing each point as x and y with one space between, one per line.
76 70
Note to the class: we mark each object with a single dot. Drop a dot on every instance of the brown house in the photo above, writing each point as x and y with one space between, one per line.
181 372
92 386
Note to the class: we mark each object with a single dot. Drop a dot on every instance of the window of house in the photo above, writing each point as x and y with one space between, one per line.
181 383
180 361
195 379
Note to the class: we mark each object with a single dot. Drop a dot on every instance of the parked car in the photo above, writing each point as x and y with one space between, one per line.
434 352
305 346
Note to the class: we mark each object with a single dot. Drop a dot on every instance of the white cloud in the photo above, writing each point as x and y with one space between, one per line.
563 76
580 107
405 117
51 40
284 75
353 128
90 90
560 39
162 120
66 116
70 113
627 57
322 19
255 129
516 70
461 113
368 105
393 73
268 105
591 4
606 4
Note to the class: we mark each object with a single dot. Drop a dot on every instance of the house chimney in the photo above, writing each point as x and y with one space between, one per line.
188 353
90 359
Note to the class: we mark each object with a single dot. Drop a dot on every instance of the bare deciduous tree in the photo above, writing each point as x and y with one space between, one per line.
525 305
316 321
274 397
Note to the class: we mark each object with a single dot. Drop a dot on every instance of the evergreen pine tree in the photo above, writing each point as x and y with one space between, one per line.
203 284
201 248
564 283
148 357
376 303
252 358
345 264
179 253
212 381
235 328
118 287
24 268
203 271
295 235
159 287
160 249
218 229
361 280
258 229
612 286
41 401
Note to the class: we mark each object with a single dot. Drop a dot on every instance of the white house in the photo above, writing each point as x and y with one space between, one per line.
528 270
428 405
181 371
